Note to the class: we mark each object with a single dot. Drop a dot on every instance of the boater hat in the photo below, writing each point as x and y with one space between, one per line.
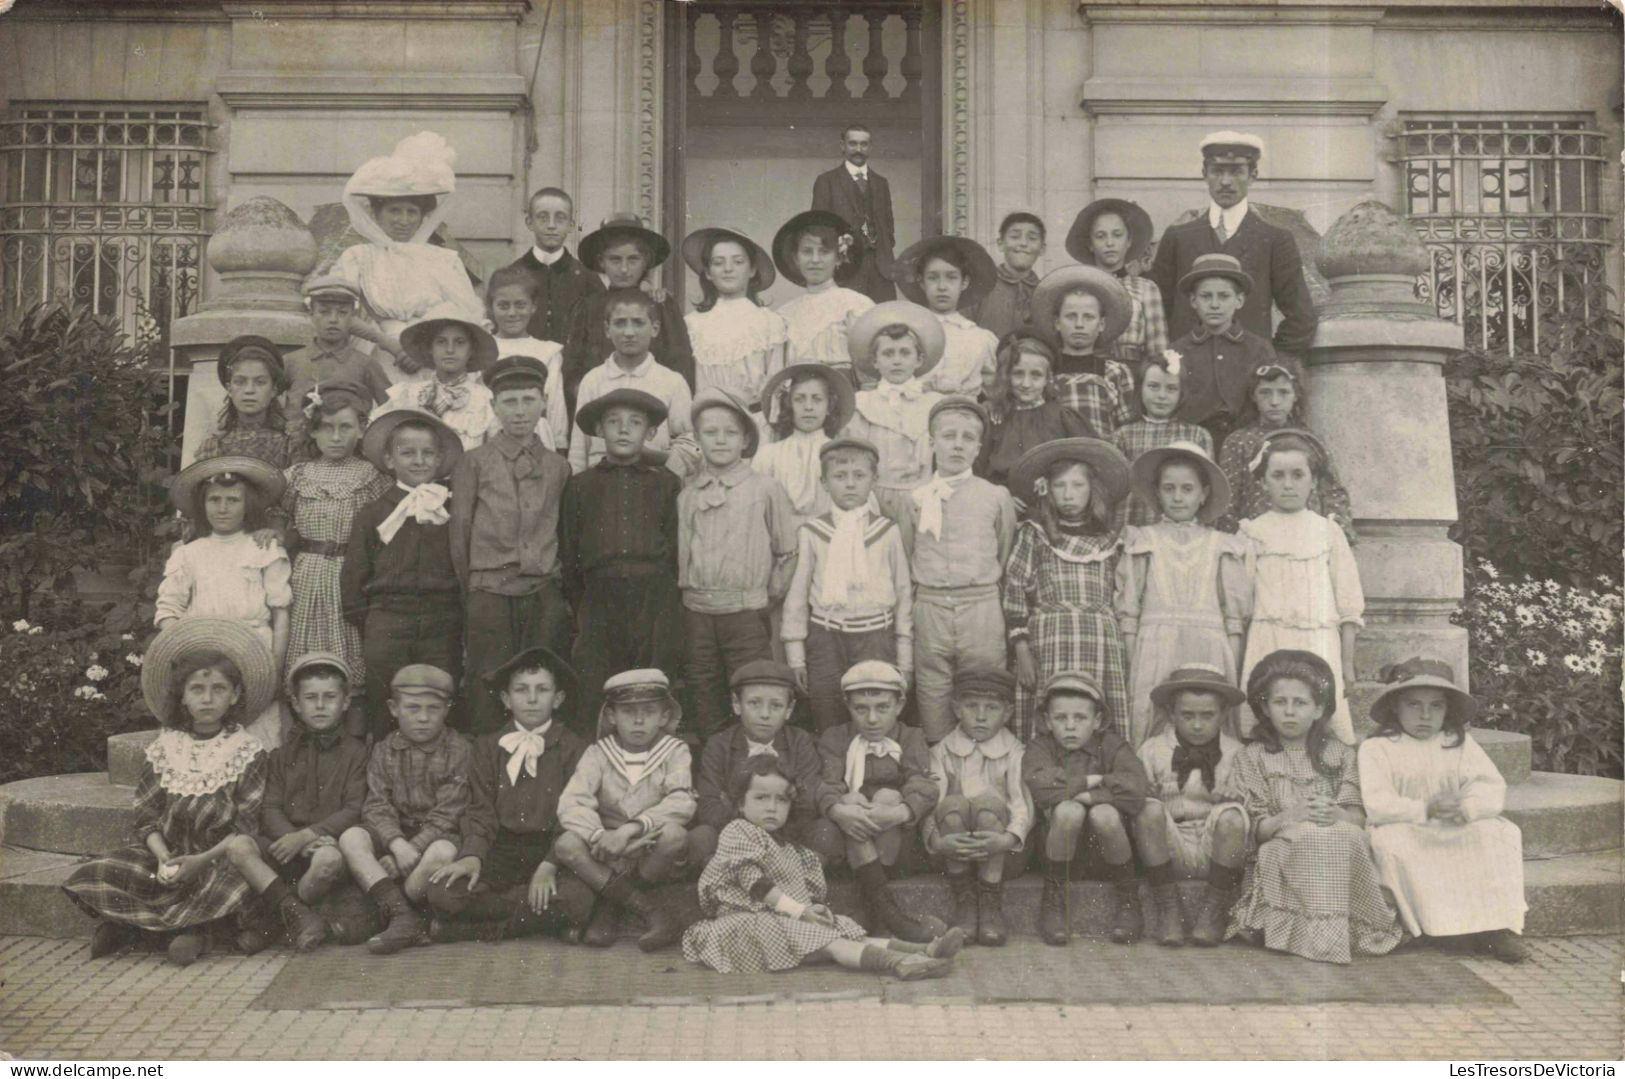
1216 265
907 268
860 339
591 414
1106 463
375 439
233 639
564 676
1200 677
262 348
1419 673
694 245
630 687
842 398
618 228
418 341
1149 464
1116 305
716 397
265 478
1135 219
849 250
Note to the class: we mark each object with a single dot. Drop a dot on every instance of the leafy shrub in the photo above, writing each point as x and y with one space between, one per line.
1545 662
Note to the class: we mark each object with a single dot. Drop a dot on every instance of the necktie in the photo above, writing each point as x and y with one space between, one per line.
426 504
929 499
858 752
846 570
862 180
524 748
1220 231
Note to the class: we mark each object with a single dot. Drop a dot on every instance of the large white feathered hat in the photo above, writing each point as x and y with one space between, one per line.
419 165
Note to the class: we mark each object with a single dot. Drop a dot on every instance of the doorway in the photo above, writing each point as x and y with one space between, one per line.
757 96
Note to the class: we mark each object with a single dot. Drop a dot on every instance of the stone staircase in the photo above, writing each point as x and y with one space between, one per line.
1572 827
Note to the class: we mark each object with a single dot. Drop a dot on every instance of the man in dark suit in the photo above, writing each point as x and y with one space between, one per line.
1267 252
861 196
560 278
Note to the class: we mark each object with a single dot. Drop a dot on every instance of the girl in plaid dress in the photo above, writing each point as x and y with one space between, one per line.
1313 888
1157 384
1059 581
764 899
322 499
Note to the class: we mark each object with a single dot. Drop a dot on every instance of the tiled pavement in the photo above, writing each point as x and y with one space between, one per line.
55 1001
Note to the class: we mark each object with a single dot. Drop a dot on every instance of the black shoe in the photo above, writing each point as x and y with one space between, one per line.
1128 924
305 928
662 926
1212 917
1170 915
991 929
963 888
109 938
405 927
887 915
1505 945
1052 922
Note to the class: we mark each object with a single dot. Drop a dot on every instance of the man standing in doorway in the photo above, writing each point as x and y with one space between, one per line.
861 197
1267 252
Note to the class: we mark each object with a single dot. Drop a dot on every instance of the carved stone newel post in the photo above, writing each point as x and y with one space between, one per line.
1377 396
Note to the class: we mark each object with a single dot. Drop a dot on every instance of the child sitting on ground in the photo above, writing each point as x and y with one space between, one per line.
948 275
764 695
851 597
1022 410
332 354
805 406
1218 354
1433 800
1083 775
819 251
454 352
503 882
1081 311
510 300
315 787
417 792
1158 386
893 346
1188 760
764 898
979 827
877 788
626 808
1313 888
1008 306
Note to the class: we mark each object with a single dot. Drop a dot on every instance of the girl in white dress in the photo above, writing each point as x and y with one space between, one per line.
396 203
235 570
805 405
1306 588
819 251
950 275
1433 800
454 352
738 343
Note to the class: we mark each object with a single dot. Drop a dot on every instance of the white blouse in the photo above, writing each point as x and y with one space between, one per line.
737 346
793 461
228 577
817 324
1305 576
969 358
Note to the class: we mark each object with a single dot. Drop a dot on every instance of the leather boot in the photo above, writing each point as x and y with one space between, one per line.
405 927
963 888
604 925
1212 917
110 937
305 929
907 966
1128 924
884 911
991 929
1170 915
663 929
1052 921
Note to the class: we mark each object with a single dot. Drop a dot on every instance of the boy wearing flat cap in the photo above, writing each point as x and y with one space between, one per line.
1268 253
764 695
417 792
979 828
505 534
332 354
626 809
503 883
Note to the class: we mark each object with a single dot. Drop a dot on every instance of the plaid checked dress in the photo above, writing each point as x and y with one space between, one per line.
322 500
1148 434
1059 597
193 792
1104 400
1313 891
741 931
1147 333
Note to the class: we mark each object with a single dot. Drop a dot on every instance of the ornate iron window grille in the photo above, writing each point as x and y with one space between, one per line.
107 207
1511 212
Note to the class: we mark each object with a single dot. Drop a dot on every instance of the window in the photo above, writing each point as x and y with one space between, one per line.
1511 211
106 207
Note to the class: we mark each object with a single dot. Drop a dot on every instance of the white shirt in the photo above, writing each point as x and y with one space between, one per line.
660 382
547 258
855 171
1231 217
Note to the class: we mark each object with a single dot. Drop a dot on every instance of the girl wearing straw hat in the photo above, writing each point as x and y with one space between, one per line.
738 343
819 251
1115 235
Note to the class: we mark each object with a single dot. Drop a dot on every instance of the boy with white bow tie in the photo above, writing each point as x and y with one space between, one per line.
963 528
851 598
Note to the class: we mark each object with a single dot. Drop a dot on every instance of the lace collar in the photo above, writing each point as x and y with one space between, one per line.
186 765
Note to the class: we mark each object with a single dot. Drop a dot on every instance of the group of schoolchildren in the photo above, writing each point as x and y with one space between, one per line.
937 596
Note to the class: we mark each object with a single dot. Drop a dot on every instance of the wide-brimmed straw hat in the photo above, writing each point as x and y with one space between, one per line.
694 243
1201 678
983 272
618 228
1135 219
1106 464
860 339
1148 465
375 440
1420 673
1216 265
418 341
716 397
232 351
842 398
1116 305
849 249
260 474
231 638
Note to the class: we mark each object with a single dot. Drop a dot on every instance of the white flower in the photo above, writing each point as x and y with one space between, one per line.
1573 663
95 672
1526 615
20 626
1537 657
1490 571
126 636
86 693
1502 669
133 660
35 631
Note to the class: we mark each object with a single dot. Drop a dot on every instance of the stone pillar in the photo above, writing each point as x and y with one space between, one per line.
262 252
1377 397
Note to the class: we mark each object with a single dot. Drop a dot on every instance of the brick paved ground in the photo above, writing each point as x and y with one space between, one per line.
55 1001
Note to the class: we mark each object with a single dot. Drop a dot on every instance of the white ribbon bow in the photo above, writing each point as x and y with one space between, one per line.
899 392
928 499
525 748
858 752
846 571
1172 361
761 749
425 504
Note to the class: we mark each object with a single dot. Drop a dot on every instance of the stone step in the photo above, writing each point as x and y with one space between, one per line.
1513 753
1562 814
126 753
1571 895
71 814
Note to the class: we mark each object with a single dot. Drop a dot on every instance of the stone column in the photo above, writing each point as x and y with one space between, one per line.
1377 397
262 252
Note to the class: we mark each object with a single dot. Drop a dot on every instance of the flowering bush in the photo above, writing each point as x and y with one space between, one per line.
1546 663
